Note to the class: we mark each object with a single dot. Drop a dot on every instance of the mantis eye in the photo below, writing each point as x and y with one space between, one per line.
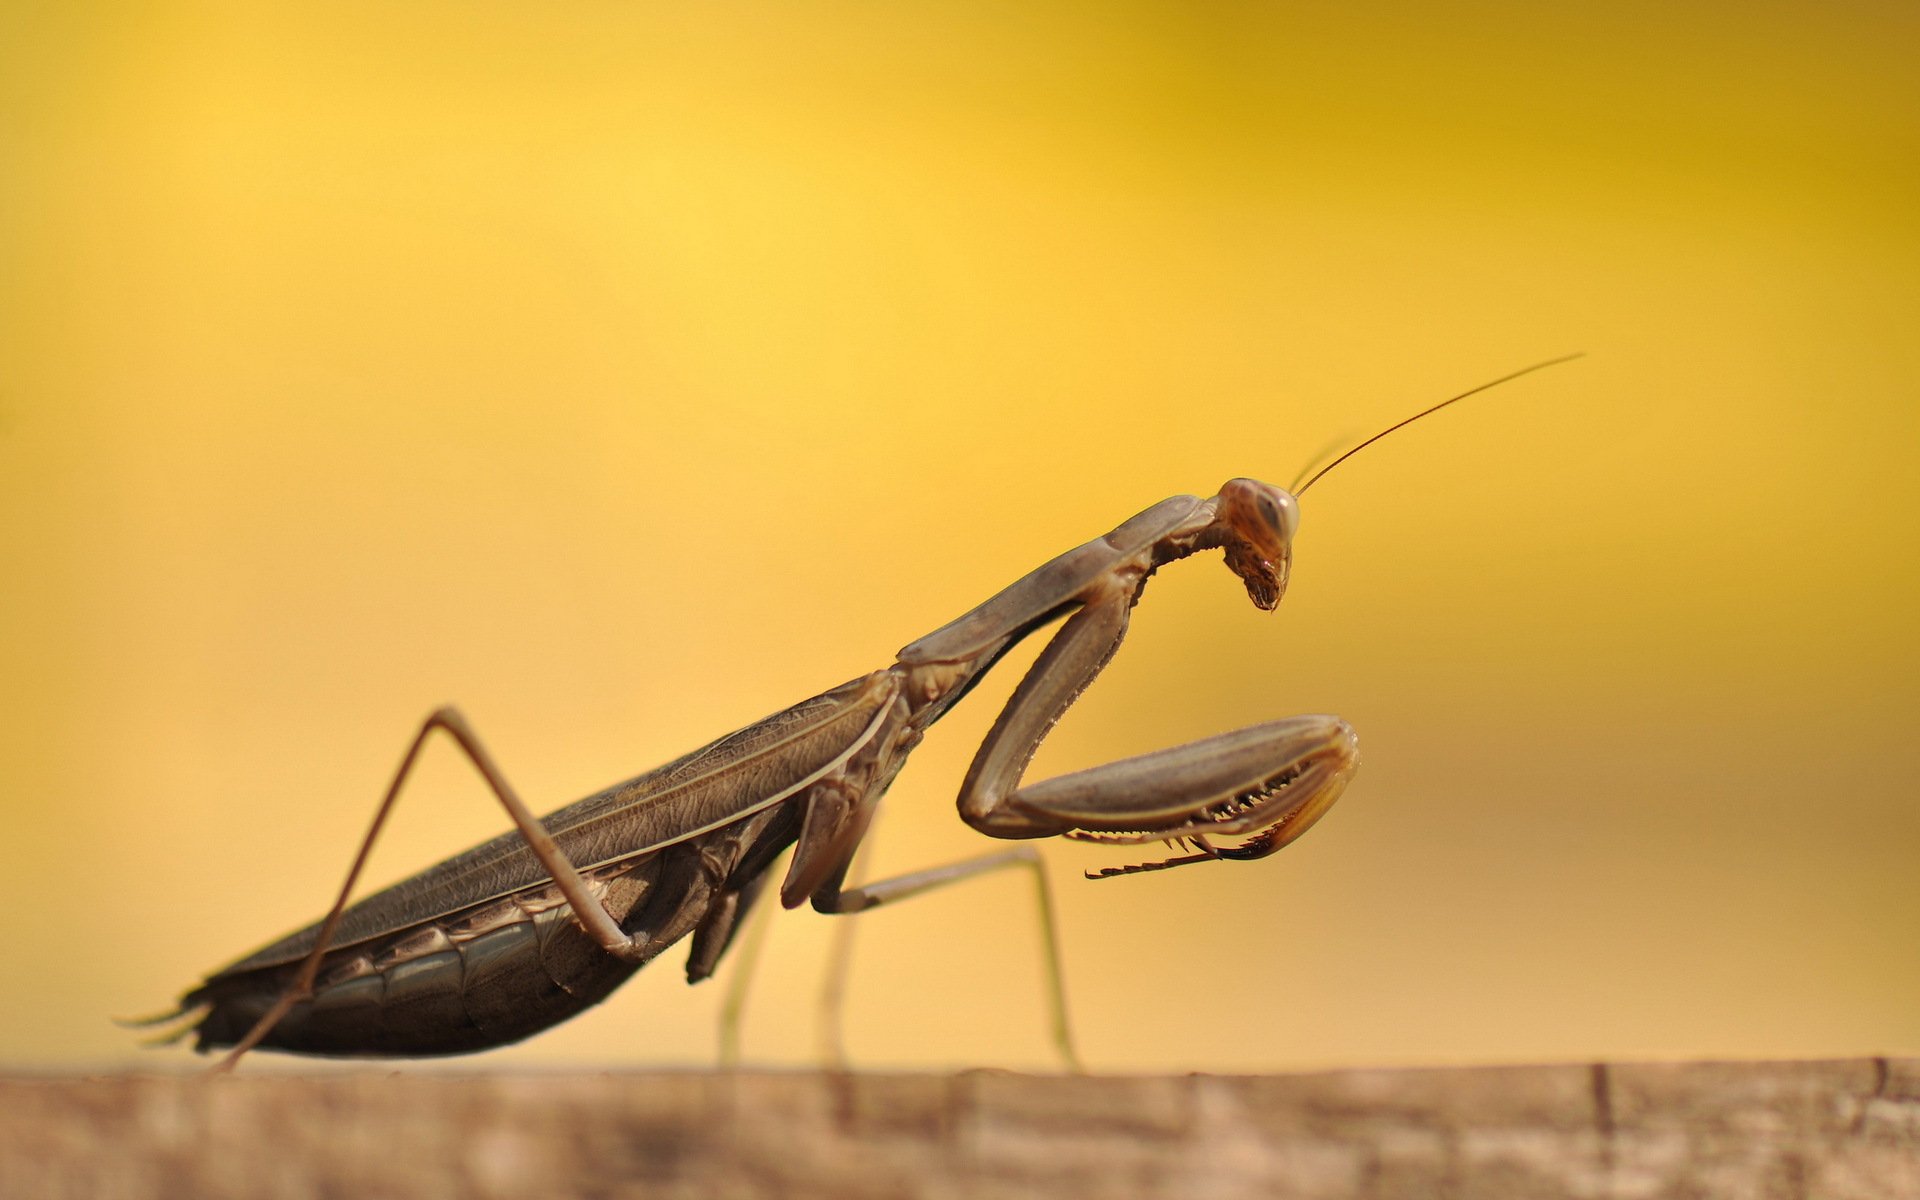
1265 515
1281 513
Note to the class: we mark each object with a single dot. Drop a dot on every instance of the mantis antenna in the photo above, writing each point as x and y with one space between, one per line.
1323 454
1427 412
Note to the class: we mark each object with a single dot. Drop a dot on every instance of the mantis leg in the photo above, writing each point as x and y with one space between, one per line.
746 963
591 913
838 899
1271 780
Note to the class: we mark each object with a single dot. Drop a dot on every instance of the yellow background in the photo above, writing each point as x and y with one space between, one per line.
627 372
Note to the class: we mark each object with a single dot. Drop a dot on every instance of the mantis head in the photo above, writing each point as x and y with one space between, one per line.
1255 522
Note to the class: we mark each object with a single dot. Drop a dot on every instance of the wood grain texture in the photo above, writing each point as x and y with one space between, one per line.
1833 1129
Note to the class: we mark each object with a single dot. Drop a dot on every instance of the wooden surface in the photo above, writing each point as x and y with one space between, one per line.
1839 1129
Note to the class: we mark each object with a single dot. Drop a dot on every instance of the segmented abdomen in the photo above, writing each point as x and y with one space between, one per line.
481 977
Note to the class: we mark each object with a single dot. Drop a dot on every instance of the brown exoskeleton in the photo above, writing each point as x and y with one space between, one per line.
538 924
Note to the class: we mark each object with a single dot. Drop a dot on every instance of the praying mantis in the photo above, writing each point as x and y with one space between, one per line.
544 921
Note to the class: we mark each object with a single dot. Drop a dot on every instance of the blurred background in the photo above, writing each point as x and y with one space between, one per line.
624 373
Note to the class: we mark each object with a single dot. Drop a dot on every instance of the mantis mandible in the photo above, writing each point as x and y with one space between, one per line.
538 924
